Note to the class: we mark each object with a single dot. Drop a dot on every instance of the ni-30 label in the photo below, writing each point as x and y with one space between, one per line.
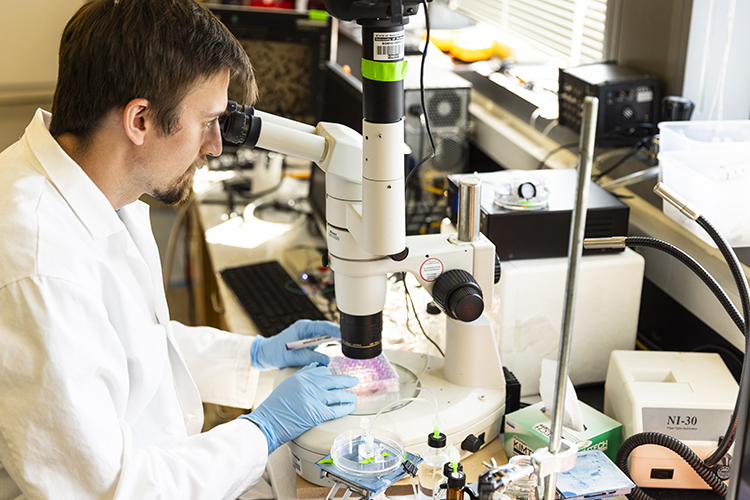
687 424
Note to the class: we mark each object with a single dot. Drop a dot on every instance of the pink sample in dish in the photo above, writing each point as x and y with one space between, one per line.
376 375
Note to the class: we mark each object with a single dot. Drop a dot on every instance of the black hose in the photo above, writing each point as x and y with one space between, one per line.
421 96
741 281
732 261
659 439
703 468
698 270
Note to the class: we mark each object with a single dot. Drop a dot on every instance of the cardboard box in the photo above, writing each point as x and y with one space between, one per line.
528 429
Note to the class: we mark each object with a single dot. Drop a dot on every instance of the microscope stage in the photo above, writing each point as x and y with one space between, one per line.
462 411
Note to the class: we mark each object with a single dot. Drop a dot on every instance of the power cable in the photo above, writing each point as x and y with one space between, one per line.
422 98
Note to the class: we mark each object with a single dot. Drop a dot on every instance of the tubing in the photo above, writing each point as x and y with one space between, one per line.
703 468
698 270
741 281
675 445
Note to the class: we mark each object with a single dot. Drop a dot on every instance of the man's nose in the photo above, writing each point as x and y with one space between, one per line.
213 146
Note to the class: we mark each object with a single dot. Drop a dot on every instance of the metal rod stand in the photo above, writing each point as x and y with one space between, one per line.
575 250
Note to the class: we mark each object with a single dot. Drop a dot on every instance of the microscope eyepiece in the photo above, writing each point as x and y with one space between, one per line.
239 125
361 336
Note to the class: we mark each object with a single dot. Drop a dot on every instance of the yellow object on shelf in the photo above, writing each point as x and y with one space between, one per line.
503 50
469 46
443 39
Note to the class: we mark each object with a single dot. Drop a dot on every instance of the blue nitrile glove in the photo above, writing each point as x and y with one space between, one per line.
271 352
308 398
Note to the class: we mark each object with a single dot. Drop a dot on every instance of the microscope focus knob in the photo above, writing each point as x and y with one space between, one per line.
498 269
458 294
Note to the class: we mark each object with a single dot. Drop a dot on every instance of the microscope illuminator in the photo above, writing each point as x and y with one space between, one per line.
677 201
598 243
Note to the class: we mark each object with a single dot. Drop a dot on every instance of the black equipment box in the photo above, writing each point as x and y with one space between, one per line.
536 234
629 101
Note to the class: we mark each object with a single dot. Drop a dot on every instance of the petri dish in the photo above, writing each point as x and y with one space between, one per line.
388 456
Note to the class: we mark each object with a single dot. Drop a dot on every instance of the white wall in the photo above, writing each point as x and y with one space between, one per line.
30 33
709 26
29 37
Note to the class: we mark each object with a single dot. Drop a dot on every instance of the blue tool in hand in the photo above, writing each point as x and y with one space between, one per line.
272 352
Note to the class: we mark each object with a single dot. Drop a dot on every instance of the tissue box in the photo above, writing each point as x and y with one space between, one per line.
528 429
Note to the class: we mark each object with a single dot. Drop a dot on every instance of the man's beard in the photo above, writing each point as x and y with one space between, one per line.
180 190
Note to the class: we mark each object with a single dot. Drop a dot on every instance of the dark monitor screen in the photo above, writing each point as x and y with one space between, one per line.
342 98
317 198
288 51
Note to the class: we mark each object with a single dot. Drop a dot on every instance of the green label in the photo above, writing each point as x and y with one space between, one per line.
383 71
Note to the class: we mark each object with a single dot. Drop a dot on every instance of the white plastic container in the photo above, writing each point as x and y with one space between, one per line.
690 136
708 164
716 182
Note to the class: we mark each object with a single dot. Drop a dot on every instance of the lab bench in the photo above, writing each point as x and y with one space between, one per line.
219 241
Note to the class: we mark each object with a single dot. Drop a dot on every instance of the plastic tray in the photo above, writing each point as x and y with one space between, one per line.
376 376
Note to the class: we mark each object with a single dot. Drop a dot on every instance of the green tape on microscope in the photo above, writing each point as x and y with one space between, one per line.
318 15
383 71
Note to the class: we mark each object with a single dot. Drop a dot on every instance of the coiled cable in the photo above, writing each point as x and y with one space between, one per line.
702 467
677 446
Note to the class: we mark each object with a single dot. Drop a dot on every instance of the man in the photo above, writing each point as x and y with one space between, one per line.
100 394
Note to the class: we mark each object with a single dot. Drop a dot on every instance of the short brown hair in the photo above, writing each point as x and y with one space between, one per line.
114 51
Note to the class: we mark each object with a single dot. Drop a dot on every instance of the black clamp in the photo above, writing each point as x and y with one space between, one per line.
410 468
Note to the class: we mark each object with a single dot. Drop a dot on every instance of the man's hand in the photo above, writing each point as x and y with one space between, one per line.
309 397
268 353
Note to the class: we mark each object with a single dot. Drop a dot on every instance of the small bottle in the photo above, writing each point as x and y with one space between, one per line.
440 490
431 467
456 483
521 489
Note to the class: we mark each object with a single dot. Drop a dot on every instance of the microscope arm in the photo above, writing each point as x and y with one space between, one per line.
359 211
340 152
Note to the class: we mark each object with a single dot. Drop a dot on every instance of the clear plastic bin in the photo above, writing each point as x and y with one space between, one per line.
713 135
707 163
716 182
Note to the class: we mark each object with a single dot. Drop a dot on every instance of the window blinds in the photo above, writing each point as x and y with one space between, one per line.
570 29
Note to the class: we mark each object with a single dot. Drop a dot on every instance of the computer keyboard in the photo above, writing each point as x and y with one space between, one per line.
270 296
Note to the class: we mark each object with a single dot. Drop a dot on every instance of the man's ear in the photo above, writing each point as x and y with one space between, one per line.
134 120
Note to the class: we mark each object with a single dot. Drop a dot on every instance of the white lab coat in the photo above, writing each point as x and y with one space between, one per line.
100 395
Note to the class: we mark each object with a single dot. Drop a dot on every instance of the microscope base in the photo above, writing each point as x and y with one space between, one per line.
462 411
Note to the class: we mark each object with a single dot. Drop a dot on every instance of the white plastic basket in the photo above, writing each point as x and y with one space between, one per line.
712 135
717 183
